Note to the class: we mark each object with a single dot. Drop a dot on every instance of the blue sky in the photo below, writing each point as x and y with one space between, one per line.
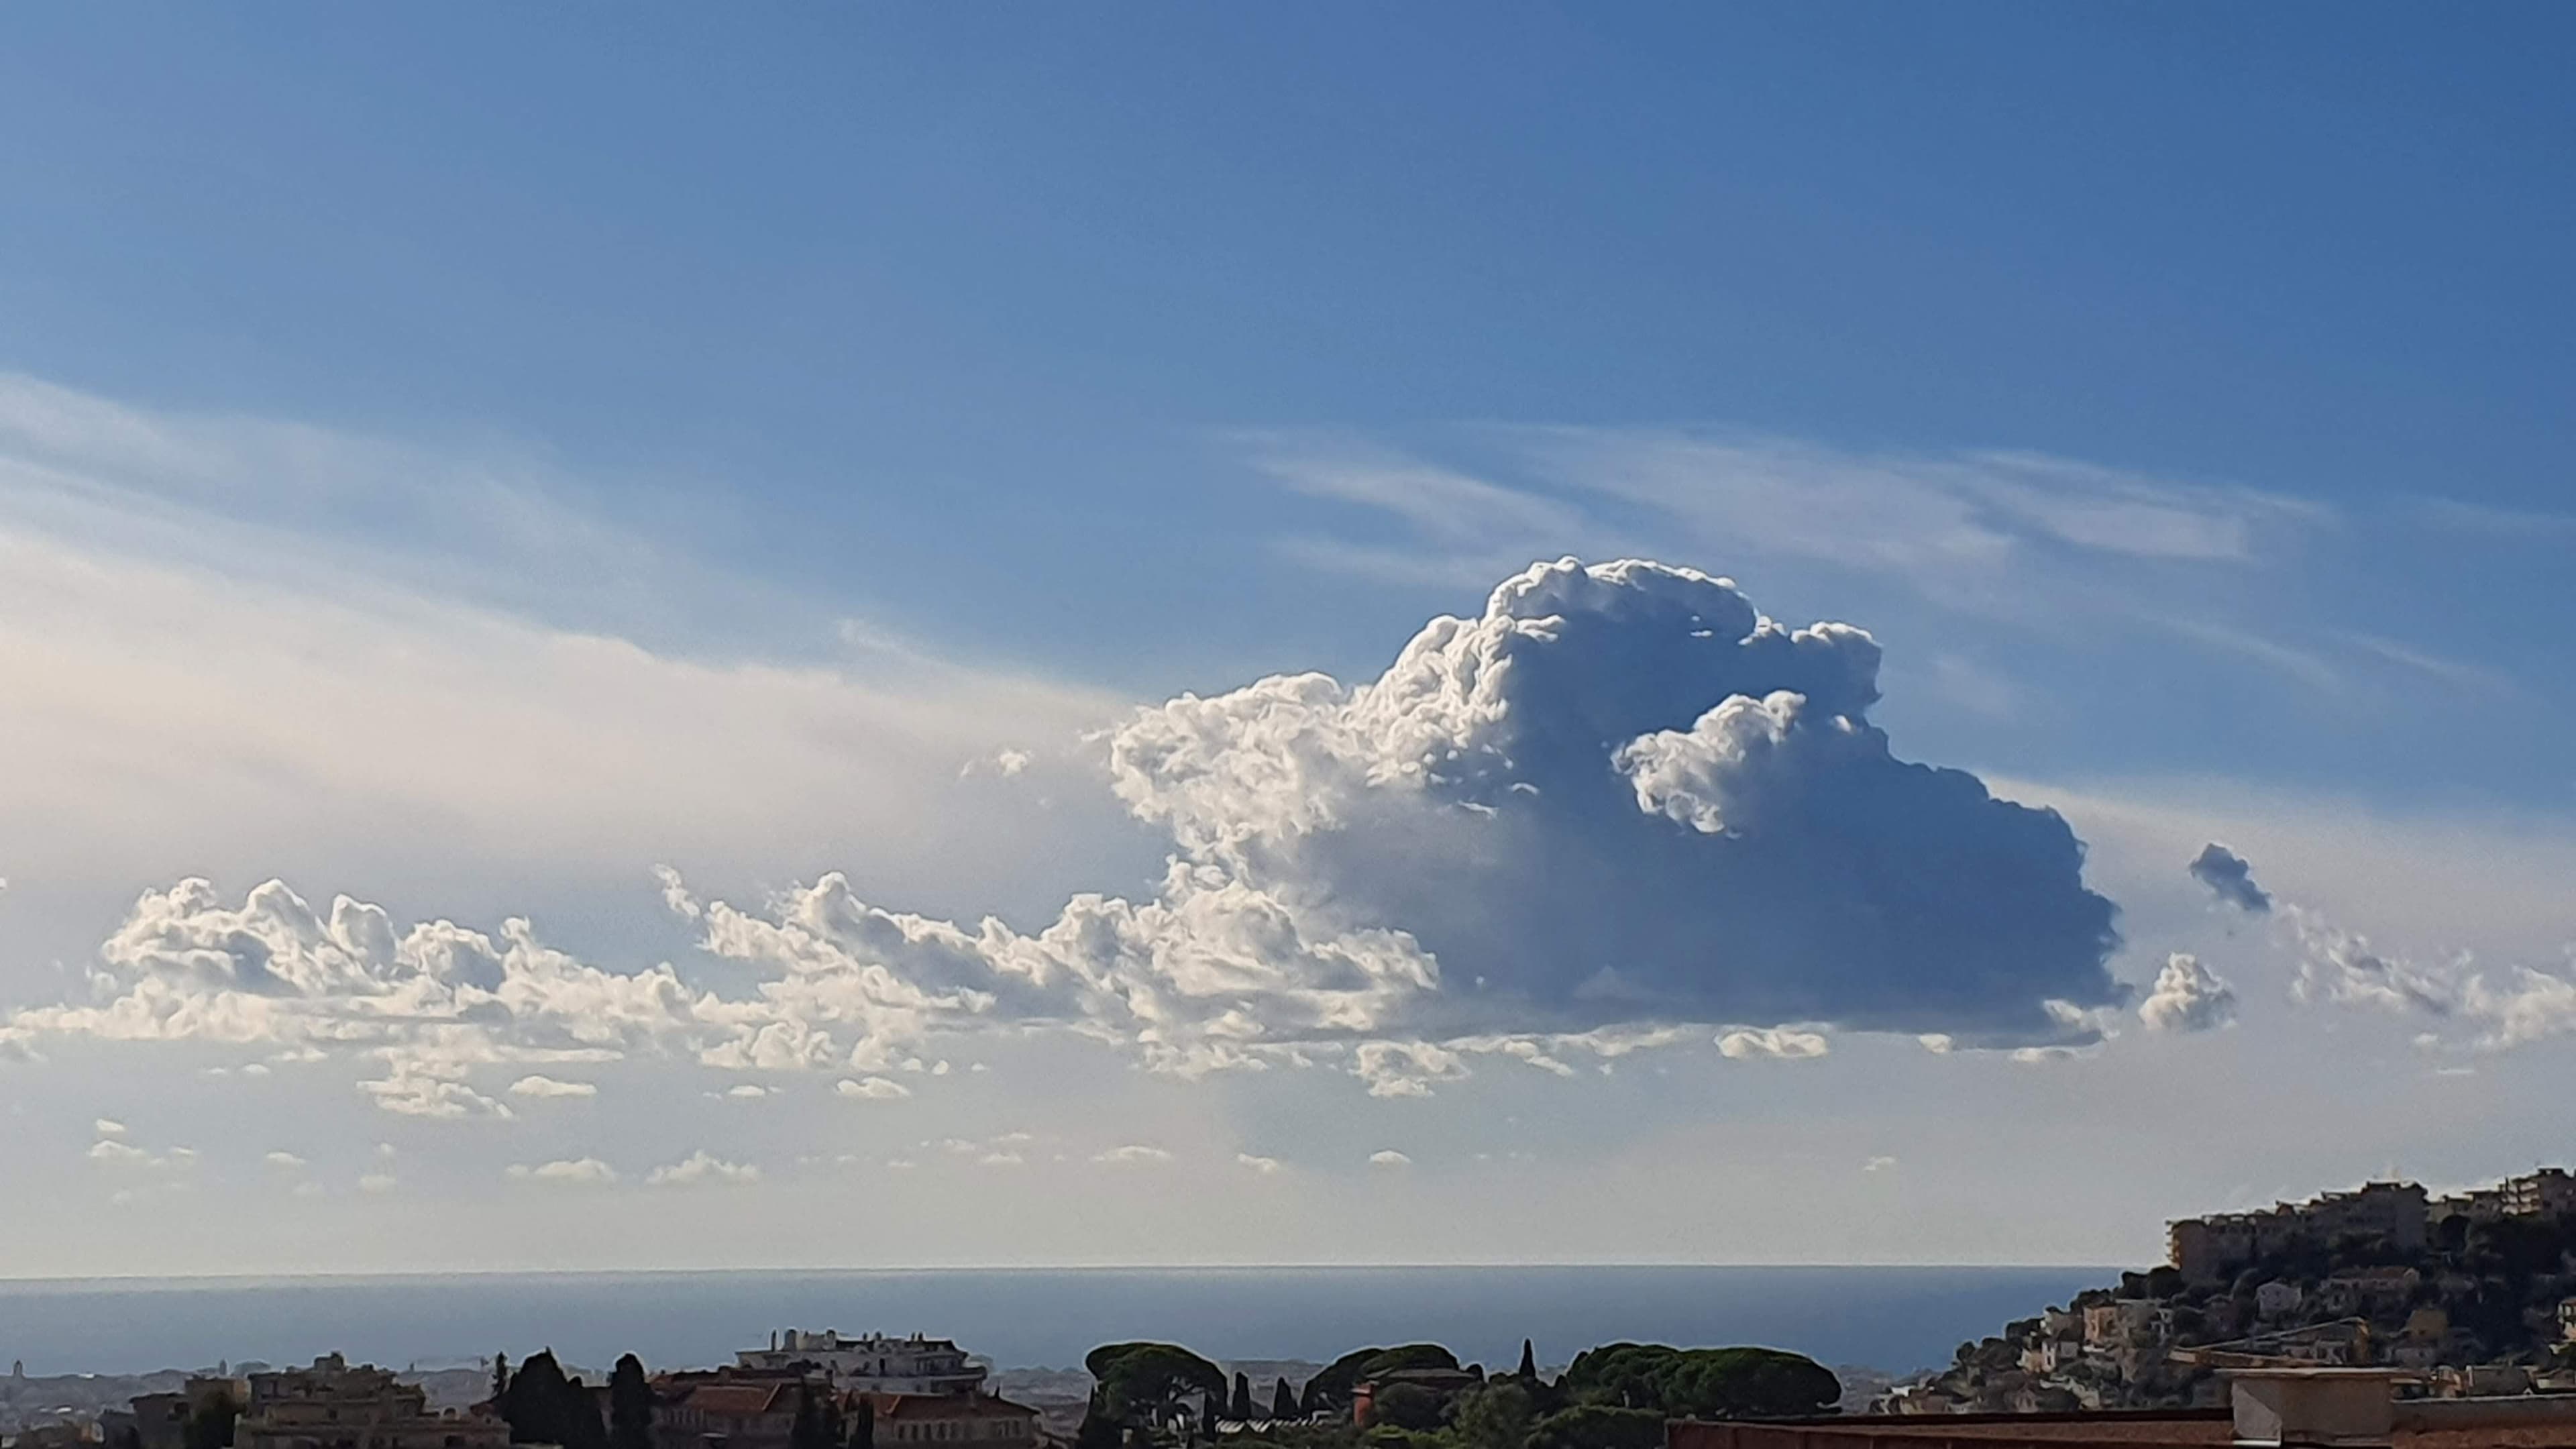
466 458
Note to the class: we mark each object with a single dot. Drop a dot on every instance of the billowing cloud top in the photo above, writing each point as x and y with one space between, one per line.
1622 795
1616 805
2230 878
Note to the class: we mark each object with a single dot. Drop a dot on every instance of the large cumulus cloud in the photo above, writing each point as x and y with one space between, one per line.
1620 794
1616 808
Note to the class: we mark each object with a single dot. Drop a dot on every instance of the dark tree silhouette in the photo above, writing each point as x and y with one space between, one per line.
544 1407
810 1429
1239 1408
1283 1404
863 1425
630 1406
500 1377
1528 1372
1100 1428
211 1425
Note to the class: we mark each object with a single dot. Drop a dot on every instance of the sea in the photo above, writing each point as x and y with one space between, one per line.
1895 1319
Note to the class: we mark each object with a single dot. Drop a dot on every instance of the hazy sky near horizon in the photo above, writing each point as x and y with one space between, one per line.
933 636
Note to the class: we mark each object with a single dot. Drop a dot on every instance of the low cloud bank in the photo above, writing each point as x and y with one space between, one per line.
1616 809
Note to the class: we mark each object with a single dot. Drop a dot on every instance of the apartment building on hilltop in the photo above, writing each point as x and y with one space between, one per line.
873 1363
330 1405
2207 1249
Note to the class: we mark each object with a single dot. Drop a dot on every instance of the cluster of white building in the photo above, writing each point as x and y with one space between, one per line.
873 1363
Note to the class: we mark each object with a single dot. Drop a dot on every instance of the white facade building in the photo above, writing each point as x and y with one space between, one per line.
873 1363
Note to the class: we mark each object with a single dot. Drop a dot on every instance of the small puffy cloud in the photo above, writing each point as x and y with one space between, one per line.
378 1183
1775 1042
2041 1055
1389 1157
1000 1159
111 1151
2187 997
568 1172
873 1089
700 1166
1133 1152
538 1085
1005 763
746 1091
108 1127
287 1161
1406 1069
413 1093
2230 878
1879 1164
1265 1166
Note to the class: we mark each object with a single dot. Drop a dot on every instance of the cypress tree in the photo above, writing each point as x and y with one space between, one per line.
630 1406
808 1431
1529 1364
1239 1409
863 1424
1283 1404
583 1428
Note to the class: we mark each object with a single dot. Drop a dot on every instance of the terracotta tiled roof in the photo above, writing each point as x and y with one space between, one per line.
900 1407
741 1400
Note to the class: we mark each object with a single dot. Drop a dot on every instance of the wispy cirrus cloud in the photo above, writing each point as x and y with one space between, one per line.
2026 539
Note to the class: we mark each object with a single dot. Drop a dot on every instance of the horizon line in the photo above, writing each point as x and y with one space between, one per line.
10 1281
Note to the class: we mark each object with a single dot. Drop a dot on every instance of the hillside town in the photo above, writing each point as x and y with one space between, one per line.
2467 1294
2376 1306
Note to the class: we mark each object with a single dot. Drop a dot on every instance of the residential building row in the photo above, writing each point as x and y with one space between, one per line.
2399 1216
918 1391
2207 1249
327 1405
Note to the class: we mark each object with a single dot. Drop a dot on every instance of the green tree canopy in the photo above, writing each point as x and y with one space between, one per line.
1331 1389
1099 1428
1406 1406
1496 1416
1137 1379
1599 1426
1702 1383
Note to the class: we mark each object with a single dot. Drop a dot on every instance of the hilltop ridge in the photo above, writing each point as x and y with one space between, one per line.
2475 1292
